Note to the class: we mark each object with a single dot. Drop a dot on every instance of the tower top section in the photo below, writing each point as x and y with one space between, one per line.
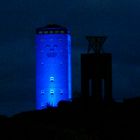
96 43
52 29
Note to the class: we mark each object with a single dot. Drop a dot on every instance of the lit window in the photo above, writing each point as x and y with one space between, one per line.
52 92
42 92
51 54
51 78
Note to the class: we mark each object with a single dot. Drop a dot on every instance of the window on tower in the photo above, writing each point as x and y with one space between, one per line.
42 92
52 79
51 91
51 53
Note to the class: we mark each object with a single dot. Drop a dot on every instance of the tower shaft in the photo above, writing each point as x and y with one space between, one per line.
53 65
98 70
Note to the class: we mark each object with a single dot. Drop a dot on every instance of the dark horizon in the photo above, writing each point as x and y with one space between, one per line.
79 119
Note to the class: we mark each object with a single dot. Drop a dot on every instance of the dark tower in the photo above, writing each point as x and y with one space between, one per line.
96 71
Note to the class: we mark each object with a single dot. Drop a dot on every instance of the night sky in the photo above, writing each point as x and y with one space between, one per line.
119 20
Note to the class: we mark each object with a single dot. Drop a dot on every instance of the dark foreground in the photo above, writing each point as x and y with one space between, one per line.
76 121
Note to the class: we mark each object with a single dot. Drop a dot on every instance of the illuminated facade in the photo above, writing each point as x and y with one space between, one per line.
53 65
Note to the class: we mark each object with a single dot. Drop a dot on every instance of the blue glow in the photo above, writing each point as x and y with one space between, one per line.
53 68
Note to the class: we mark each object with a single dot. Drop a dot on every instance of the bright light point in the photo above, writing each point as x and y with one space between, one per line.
51 79
52 92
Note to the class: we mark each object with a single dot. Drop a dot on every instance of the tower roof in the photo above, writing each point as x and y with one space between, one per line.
52 29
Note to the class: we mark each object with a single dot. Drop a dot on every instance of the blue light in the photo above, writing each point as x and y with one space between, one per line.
53 66
51 78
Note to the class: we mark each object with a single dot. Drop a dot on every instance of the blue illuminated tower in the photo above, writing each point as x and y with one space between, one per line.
53 65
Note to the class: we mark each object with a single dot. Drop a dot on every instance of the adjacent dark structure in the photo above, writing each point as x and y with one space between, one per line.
96 71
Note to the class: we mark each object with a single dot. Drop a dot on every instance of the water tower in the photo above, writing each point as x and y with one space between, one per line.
53 65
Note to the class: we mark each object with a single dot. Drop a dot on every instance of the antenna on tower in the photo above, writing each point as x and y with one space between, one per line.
96 43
